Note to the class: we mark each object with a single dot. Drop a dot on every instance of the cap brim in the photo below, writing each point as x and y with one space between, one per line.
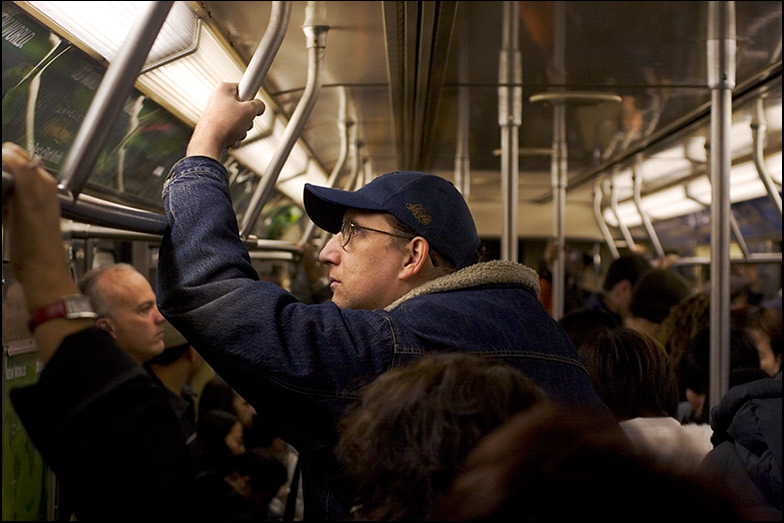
326 206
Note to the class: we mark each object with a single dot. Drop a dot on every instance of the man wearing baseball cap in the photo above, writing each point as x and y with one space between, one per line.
406 282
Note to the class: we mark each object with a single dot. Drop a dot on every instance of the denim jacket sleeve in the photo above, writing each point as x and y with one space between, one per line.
298 363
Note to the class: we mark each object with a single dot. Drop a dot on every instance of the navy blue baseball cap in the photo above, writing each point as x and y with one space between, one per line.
427 203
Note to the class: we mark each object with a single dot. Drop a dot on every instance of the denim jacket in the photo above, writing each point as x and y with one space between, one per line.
301 365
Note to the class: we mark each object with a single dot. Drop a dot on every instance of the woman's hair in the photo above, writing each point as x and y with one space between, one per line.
686 319
414 425
631 373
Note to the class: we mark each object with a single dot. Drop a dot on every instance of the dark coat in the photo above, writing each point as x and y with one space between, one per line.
747 439
109 433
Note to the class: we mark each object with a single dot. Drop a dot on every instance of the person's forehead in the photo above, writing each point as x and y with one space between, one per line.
128 287
375 216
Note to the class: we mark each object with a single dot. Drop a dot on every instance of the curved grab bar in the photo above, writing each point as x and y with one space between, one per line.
266 51
316 37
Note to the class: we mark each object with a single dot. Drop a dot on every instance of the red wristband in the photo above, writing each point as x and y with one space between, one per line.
69 307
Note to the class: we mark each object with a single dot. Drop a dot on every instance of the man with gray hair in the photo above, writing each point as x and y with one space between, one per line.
126 307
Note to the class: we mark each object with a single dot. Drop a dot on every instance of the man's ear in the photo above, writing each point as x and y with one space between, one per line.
107 325
416 257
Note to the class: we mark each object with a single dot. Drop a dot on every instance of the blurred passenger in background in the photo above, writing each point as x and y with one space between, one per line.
652 297
616 293
694 372
174 369
763 323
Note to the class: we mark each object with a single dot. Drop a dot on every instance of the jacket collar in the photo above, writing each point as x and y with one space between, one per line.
488 273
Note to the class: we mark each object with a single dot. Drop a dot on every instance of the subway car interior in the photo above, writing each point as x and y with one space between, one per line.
599 128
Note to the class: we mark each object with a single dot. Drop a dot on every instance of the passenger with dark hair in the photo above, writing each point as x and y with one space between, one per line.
764 325
685 320
635 378
414 425
616 292
220 433
654 294
583 325
258 475
694 372
406 281
552 463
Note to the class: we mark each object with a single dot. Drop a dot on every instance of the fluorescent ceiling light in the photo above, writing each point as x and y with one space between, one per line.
103 27
185 84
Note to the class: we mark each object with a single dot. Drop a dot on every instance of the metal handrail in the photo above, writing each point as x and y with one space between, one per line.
600 221
758 126
265 52
343 127
316 36
111 96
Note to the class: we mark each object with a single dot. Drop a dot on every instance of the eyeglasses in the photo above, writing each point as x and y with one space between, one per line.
348 229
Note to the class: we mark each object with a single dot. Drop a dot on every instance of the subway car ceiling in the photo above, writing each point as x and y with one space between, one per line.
614 94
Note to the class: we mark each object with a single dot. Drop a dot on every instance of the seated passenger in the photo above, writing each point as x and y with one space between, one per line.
414 425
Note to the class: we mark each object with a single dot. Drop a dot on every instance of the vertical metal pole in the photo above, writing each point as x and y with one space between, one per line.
721 80
343 126
559 164
510 101
316 41
621 225
462 157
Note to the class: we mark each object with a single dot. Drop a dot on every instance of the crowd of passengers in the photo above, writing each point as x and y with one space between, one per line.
431 385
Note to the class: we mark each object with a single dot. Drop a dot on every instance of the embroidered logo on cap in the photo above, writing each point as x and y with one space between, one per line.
419 212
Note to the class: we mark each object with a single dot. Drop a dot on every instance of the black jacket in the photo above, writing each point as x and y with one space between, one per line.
747 439
109 433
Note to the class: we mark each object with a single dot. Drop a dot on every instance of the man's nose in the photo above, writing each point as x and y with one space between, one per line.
331 252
